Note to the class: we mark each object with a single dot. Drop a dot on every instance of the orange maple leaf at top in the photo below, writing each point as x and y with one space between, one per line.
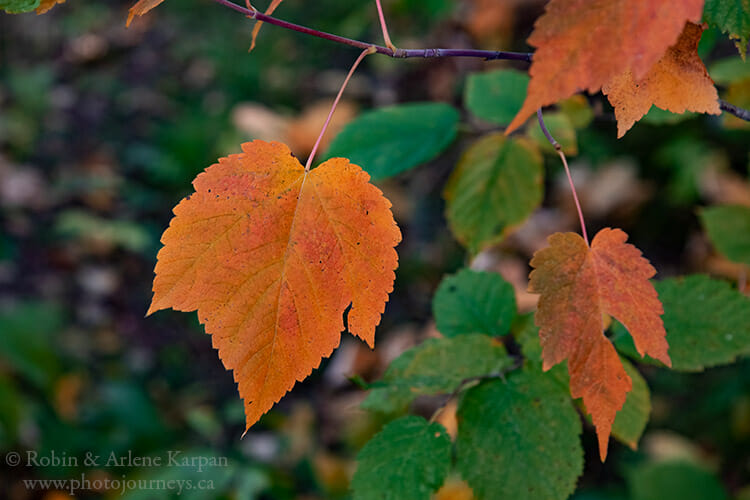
678 82
271 257
140 8
578 286
583 44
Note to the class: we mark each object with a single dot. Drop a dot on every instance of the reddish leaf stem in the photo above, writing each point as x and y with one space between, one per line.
384 27
558 148
575 196
364 53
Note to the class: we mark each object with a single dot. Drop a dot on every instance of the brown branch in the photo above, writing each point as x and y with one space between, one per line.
399 53
489 55
742 114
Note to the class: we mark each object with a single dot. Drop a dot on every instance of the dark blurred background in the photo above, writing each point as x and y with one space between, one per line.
102 130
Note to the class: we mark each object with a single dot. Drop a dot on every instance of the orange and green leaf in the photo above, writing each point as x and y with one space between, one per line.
140 8
583 44
678 82
579 286
271 257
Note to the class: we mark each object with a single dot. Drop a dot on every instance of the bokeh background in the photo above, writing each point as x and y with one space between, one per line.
102 130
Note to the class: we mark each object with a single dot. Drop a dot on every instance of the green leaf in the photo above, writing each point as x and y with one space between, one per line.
27 341
560 128
496 96
519 439
436 366
729 70
390 397
578 111
390 140
474 302
707 323
728 227
630 422
496 185
18 6
408 459
526 334
673 481
732 17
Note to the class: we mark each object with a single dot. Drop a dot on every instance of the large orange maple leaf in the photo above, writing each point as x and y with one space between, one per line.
678 82
578 286
271 257
583 44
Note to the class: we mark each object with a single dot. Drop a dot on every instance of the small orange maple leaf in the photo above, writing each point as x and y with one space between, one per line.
678 82
271 256
603 39
579 286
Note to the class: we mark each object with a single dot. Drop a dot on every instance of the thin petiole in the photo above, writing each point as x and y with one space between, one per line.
370 50
384 26
558 148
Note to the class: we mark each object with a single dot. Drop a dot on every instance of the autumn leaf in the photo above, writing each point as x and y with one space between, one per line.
578 286
271 257
46 5
602 40
678 82
140 8
258 24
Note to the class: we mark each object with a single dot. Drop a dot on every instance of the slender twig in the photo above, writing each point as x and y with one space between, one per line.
558 148
364 53
489 55
384 27
743 114
400 53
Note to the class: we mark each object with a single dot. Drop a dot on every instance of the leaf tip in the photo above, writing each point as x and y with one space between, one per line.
152 308
603 445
